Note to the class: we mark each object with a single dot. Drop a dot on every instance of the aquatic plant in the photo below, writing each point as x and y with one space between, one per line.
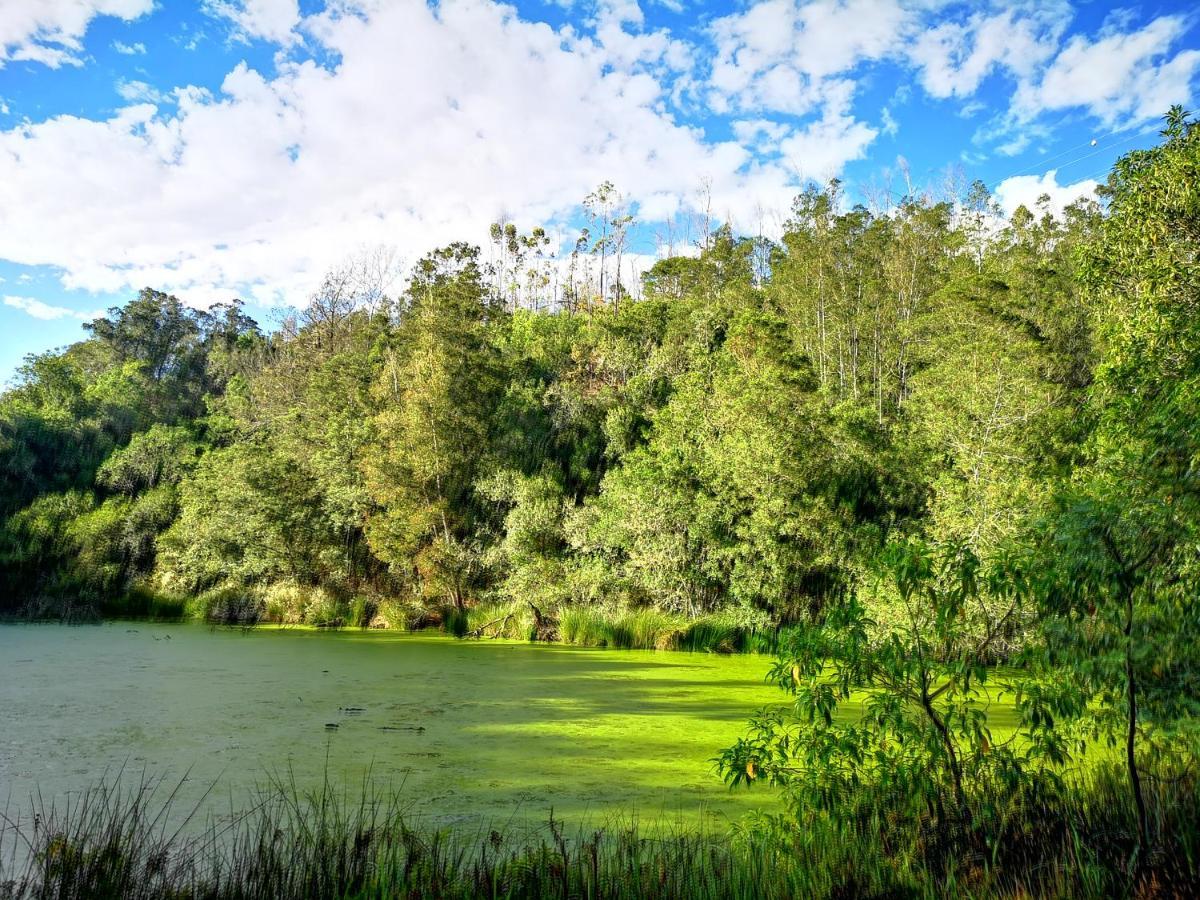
650 629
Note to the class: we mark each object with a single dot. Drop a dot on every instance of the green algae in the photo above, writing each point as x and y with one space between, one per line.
469 732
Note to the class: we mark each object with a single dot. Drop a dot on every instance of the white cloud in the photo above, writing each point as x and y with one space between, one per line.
888 123
954 57
436 121
138 92
788 57
759 133
270 20
439 118
1120 78
51 31
1027 190
46 312
821 149
778 54
134 49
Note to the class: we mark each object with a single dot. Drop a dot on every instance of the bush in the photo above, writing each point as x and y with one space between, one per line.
323 609
284 603
455 621
512 620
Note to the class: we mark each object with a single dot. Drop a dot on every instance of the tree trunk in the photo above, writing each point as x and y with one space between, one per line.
956 776
1135 778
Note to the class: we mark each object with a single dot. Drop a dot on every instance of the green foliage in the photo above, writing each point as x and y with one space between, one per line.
1118 546
116 841
921 744
649 629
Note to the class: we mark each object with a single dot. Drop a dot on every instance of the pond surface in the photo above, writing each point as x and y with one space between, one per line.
468 732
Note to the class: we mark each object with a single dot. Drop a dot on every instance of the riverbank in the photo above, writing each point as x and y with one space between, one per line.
113 842
578 625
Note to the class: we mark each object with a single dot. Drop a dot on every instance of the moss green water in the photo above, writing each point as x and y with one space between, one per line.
470 732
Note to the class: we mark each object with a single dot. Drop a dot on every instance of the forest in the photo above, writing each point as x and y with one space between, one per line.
922 456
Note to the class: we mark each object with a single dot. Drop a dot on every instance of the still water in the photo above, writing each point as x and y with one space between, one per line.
474 732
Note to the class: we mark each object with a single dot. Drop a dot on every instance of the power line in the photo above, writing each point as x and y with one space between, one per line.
1043 164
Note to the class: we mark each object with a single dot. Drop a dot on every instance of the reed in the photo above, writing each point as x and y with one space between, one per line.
115 842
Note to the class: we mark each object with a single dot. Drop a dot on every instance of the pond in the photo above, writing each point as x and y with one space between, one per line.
470 732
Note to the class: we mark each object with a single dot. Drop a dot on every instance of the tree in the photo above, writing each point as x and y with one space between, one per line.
610 223
922 745
1119 545
435 394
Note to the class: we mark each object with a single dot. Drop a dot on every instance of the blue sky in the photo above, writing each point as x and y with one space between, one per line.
221 148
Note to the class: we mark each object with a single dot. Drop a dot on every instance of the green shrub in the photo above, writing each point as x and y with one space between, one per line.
323 608
512 620
284 603
650 629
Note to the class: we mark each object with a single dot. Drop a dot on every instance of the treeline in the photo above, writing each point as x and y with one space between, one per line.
725 443
742 439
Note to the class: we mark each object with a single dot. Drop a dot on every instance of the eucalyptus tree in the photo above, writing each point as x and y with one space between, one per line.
610 220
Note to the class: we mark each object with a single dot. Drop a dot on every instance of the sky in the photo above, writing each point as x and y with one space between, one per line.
242 148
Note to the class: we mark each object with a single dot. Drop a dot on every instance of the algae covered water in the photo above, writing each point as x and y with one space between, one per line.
467 732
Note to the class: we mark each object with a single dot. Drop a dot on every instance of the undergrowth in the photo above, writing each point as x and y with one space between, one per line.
128 843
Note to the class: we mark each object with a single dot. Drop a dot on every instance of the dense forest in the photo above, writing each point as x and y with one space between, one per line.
742 438
897 447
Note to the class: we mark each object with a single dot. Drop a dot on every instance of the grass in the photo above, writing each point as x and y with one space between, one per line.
649 629
115 843
290 604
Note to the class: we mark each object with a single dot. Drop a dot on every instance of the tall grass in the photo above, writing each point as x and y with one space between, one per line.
289 603
649 629
116 843
512 620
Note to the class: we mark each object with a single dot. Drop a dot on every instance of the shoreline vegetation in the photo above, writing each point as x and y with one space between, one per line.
897 448
646 629
120 840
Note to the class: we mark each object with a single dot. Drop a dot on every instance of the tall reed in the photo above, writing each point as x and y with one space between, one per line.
137 843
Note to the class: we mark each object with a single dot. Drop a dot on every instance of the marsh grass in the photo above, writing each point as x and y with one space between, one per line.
649 629
286 603
512 621
334 843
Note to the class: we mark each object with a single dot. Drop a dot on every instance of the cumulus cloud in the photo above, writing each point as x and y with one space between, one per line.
778 54
953 58
1120 78
269 20
435 121
1029 191
785 57
134 49
822 148
51 31
46 312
